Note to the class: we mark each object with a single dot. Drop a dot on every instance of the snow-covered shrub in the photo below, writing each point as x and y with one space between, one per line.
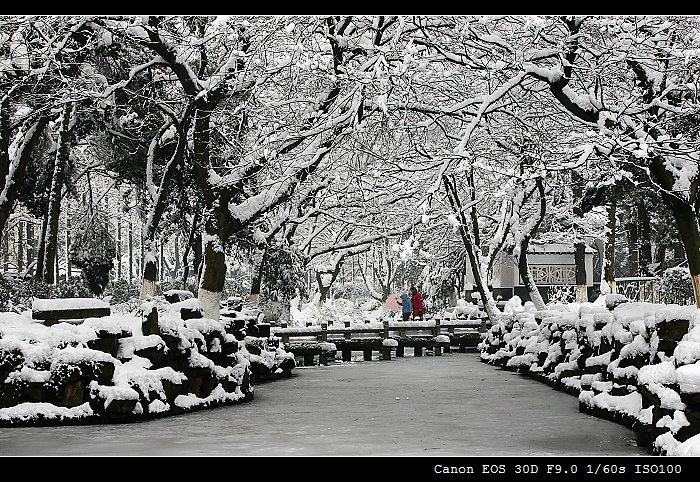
13 293
283 279
17 294
562 294
74 287
350 290
514 305
675 286
93 250
368 304
122 291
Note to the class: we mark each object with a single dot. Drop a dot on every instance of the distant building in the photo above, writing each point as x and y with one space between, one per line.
552 266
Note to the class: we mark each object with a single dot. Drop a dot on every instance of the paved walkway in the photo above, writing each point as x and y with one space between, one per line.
449 405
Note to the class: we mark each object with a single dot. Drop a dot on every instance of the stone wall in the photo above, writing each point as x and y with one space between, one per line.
121 369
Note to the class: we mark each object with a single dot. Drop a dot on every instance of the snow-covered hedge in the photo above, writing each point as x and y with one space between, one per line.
127 367
635 363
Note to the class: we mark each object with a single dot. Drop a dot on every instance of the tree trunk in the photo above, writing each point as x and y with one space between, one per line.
258 268
5 249
131 251
5 140
529 282
690 236
660 257
633 249
69 265
58 277
322 290
176 263
20 247
150 271
39 273
609 268
472 253
213 276
162 262
54 212
198 256
678 251
119 248
523 265
644 241
157 202
31 245
190 241
8 192
142 265
580 261
325 289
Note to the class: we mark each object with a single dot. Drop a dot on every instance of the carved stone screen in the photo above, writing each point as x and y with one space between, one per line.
552 274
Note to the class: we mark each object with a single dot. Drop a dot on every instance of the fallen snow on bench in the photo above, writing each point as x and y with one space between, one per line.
54 304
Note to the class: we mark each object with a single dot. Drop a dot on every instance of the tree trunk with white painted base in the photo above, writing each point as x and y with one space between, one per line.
213 276
473 252
255 286
150 271
687 223
580 260
609 266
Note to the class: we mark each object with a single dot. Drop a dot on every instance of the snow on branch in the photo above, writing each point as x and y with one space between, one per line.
366 240
488 101
262 202
132 73
17 156
262 237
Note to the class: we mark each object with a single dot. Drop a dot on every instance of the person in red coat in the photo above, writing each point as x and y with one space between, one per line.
417 300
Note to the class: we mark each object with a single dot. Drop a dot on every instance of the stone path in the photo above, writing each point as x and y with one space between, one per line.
449 405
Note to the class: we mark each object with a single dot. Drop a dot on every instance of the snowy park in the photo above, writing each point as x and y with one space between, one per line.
210 220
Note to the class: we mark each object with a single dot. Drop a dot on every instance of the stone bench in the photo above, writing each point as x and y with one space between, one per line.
418 343
366 346
370 337
465 341
52 311
309 350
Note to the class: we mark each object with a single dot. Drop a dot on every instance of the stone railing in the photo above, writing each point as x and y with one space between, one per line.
639 288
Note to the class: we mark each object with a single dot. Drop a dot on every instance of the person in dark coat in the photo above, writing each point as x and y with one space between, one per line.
406 307
417 302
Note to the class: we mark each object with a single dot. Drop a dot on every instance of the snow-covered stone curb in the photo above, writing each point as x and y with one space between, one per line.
637 364
128 367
